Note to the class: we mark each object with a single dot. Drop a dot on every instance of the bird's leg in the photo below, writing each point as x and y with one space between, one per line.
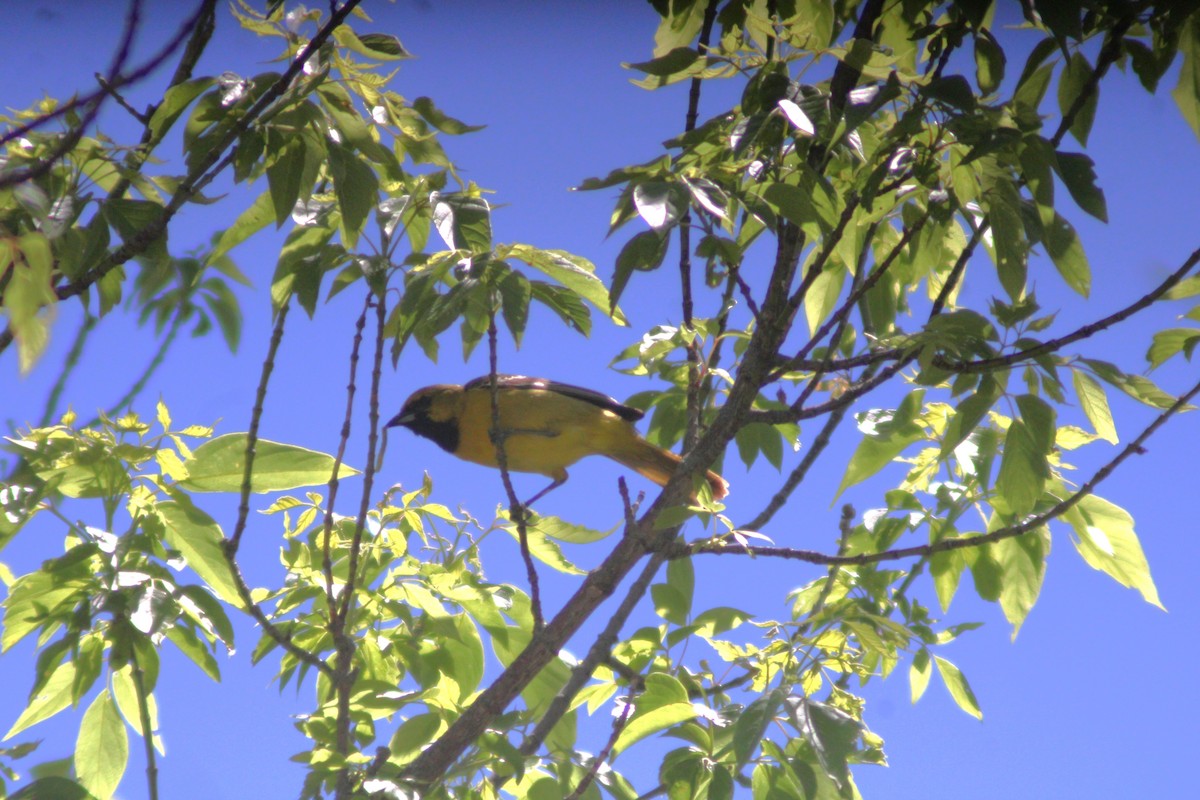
557 483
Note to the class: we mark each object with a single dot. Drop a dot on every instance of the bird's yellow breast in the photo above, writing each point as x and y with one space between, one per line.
544 431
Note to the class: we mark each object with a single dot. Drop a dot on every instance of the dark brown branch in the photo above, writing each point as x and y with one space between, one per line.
797 475
1054 345
599 653
694 388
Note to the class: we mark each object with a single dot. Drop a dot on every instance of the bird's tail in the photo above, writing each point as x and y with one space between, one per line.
659 465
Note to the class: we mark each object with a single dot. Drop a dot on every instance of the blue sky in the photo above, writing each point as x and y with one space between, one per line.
1095 698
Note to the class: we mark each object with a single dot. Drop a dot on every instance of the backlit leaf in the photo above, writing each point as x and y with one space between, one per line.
960 690
1107 542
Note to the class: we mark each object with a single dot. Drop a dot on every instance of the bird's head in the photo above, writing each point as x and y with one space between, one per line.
432 412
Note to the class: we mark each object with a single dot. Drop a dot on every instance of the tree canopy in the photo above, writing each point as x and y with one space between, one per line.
847 246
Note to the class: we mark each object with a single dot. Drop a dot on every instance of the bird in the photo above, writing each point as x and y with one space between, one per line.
547 427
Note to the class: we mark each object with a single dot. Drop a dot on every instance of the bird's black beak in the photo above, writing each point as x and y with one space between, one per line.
400 419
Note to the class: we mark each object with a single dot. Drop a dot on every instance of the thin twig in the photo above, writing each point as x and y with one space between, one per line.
372 447
202 173
600 650
143 701
256 413
1135 447
67 142
343 440
692 429
618 725
516 509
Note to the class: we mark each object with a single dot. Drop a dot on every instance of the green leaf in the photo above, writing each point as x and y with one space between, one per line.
383 46
1171 342
285 169
464 222
676 65
125 693
249 222
969 413
1108 543
545 550
569 532
1094 402
809 203
1187 89
946 567
438 119
196 650
715 621
1078 174
1061 17
198 537
677 60
53 787
887 435
102 747
642 253
1138 387
53 697
822 296
1065 249
131 217
1035 78
303 260
660 203
989 62
1071 85
751 726
412 736
758 437
218 465
1022 559
356 188
175 101
28 264
832 734
919 673
515 294
663 703
1024 468
673 599
565 303
960 690
1010 249
575 273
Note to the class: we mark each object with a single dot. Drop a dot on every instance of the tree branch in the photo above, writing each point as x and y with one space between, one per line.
1135 447
203 173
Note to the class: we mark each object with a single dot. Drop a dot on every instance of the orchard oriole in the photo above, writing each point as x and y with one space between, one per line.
547 427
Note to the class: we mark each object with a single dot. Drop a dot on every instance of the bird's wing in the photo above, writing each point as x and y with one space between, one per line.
577 392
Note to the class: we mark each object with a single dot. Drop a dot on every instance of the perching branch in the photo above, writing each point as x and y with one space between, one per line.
516 509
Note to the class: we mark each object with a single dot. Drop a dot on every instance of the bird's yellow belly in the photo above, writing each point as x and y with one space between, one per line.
546 446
